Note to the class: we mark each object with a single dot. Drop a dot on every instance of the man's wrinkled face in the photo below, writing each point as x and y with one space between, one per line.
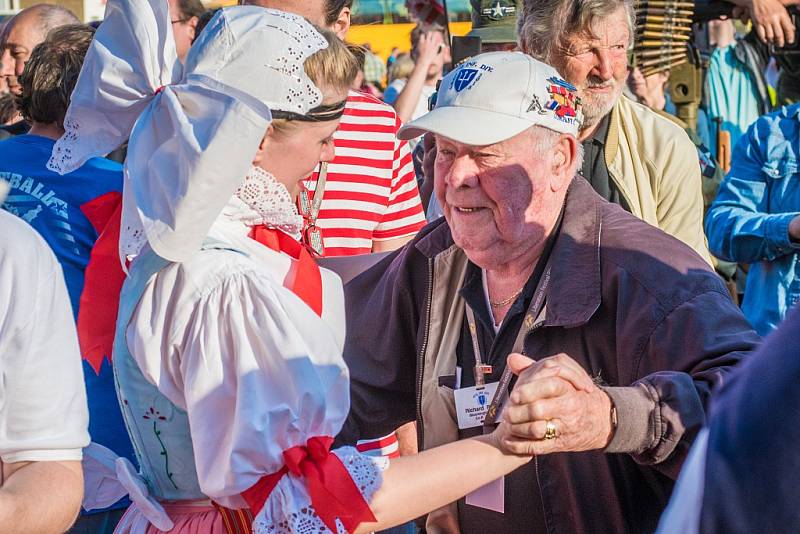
498 199
22 34
597 65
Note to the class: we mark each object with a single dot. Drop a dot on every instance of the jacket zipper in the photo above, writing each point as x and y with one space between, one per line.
536 459
421 358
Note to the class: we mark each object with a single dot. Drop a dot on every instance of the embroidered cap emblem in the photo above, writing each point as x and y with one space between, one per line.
499 10
464 78
564 102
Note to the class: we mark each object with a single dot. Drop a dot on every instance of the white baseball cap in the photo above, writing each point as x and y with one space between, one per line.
495 96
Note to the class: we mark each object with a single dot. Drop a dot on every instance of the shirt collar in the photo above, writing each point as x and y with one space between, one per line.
601 133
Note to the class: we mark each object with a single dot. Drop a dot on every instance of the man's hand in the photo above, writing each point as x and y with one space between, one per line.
794 230
772 22
559 391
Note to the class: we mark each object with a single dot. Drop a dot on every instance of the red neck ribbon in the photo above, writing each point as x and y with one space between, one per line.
332 490
103 278
304 278
102 282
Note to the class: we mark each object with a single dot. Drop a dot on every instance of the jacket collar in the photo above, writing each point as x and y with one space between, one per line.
574 292
612 138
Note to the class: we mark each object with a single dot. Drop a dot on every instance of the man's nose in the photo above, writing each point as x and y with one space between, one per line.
604 66
7 66
463 173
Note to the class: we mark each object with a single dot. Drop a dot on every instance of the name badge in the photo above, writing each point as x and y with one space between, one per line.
492 496
473 403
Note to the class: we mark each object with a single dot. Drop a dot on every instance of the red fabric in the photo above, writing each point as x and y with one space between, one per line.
103 280
304 278
333 492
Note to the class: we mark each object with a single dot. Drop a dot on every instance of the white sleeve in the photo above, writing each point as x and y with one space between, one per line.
257 371
43 412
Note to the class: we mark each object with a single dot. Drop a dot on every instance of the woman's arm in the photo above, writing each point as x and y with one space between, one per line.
40 496
416 485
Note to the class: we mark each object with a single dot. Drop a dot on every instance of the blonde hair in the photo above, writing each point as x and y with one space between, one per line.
332 70
402 68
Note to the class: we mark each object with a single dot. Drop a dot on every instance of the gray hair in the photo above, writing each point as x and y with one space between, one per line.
543 141
545 24
52 16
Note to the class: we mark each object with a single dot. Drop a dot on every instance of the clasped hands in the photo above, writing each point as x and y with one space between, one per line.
554 407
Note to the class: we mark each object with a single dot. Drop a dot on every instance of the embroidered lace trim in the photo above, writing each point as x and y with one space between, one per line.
289 510
270 201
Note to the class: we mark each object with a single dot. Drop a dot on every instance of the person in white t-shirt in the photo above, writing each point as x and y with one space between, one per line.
43 414
430 52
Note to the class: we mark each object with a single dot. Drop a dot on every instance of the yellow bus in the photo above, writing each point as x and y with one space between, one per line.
386 24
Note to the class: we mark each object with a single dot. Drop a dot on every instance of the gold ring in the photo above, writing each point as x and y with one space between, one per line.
550 430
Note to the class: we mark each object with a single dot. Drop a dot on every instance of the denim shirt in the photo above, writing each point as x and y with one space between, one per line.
749 220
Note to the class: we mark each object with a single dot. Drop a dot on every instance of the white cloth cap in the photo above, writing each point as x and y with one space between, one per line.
495 96
193 131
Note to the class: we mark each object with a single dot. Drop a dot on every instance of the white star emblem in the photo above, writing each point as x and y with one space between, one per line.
497 10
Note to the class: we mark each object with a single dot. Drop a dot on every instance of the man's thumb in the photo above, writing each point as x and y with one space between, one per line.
518 362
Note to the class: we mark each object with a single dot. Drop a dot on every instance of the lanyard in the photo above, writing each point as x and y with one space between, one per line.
310 211
319 191
534 310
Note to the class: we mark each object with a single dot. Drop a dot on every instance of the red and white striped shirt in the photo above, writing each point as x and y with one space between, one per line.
371 191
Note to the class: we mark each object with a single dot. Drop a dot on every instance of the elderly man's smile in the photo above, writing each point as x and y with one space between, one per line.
468 211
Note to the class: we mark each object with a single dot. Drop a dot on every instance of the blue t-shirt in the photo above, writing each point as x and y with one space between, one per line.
51 204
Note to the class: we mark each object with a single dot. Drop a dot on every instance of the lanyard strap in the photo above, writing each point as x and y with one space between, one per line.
319 192
534 310
309 208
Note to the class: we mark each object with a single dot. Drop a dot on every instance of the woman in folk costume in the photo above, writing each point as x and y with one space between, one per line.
229 336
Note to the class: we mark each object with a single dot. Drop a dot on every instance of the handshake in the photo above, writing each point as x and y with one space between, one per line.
554 407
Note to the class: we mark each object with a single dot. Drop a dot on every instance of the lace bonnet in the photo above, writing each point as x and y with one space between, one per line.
192 131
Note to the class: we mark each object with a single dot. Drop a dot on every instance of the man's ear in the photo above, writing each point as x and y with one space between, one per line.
262 147
342 24
192 22
565 152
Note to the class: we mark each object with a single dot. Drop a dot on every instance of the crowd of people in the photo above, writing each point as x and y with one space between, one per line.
259 280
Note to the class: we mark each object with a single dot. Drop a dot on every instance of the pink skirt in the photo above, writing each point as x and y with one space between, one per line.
189 518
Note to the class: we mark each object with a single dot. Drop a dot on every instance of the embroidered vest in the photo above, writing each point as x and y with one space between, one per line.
158 429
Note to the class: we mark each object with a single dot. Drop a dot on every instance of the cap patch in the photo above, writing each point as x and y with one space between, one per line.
464 78
564 102
468 74
499 10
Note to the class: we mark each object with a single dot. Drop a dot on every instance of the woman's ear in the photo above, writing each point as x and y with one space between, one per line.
262 147
342 23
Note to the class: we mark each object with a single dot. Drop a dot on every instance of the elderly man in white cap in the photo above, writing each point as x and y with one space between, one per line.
629 327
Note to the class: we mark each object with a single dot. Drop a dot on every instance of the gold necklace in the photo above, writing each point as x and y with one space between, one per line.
507 301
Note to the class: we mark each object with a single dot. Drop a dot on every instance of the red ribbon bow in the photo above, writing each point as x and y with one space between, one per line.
103 279
303 278
332 490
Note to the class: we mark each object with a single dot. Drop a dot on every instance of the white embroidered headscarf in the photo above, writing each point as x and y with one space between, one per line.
193 131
